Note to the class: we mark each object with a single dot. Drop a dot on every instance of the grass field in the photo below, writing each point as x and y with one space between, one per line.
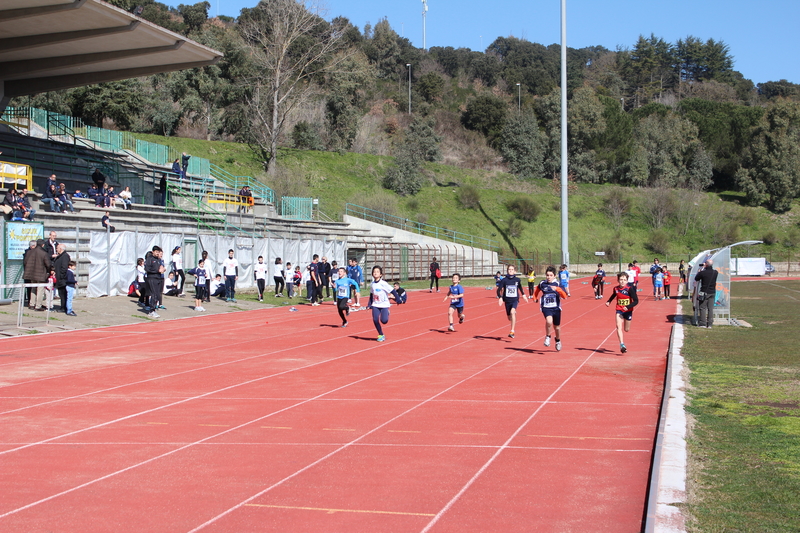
744 449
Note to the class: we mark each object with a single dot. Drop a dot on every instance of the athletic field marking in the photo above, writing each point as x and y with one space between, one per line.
458 433
275 427
781 286
508 441
337 429
215 425
588 438
382 425
171 452
158 423
332 511
402 431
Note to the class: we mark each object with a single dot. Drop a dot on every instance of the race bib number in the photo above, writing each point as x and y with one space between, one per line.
549 301
201 280
511 291
624 302
342 291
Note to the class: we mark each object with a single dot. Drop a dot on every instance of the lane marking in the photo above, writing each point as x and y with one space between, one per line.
158 423
402 431
275 427
457 433
588 438
337 429
332 511
215 425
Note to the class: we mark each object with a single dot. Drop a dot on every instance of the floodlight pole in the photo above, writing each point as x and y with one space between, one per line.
564 154
424 15
519 99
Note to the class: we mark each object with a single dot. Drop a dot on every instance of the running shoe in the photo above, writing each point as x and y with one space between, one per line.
381 338
198 308
461 318
153 314
558 346
547 340
622 348
202 308
511 335
344 325
451 328
161 307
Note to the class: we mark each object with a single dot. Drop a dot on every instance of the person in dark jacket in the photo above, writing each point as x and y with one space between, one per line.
154 276
98 178
94 194
185 164
162 186
32 245
36 267
50 196
61 265
707 292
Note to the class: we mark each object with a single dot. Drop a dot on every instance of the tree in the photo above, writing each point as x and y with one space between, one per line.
770 173
486 114
430 86
419 145
305 137
194 16
345 88
585 125
383 49
291 47
522 147
119 101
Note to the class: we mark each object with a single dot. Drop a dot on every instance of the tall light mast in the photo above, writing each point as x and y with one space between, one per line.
424 15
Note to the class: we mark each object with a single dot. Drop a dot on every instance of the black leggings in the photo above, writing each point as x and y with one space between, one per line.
261 283
343 309
179 275
279 284
434 280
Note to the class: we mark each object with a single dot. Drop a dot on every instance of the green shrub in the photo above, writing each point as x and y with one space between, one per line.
770 237
469 197
515 227
524 208
306 137
658 242
792 238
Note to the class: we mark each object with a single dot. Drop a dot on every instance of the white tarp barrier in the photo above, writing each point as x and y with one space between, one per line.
750 266
112 256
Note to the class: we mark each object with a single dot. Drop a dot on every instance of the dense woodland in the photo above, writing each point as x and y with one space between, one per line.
651 114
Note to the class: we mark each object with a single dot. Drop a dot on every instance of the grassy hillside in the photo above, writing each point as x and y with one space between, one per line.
692 221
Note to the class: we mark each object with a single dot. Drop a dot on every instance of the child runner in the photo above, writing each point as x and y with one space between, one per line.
297 277
344 288
498 277
667 282
288 275
380 292
598 281
563 278
260 275
658 284
230 269
550 294
200 276
456 296
638 272
682 272
510 287
631 273
277 276
627 299
531 282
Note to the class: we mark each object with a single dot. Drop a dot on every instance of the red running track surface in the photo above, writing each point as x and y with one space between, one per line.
276 421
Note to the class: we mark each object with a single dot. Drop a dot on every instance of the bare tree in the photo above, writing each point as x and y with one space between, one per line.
292 47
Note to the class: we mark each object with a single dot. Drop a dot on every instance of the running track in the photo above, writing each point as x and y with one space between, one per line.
277 421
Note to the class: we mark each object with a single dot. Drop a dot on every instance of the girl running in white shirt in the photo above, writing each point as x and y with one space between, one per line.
379 301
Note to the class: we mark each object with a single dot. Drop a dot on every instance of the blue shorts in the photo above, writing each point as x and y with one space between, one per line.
627 315
460 309
555 313
511 304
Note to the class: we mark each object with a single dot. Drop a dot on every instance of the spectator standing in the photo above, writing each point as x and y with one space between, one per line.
141 286
72 287
355 272
230 268
61 265
51 245
36 268
185 164
125 196
154 271
324 271
436 273
682 272
177 267
246 198
655 269
162 186
315 293
28 290
288 276
98 178
706 294
260 274
209 273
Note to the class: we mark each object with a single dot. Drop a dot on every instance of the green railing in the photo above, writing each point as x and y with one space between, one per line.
297 208
419 228
237 182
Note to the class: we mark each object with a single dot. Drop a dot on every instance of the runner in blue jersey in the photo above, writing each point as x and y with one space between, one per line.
344 288
549 293
456 296
509 290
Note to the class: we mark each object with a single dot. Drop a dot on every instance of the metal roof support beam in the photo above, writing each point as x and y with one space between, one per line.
29 66
54 83
12 44
37 11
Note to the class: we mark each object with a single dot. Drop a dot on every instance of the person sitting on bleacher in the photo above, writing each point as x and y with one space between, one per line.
78 194
64 198
176 168
112 197
94 194
104 193
24 210
126 197
50 196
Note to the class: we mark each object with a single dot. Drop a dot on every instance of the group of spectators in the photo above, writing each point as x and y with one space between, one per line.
47 261
318 277
16 204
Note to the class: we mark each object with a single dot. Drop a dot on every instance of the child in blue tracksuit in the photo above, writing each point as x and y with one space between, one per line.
355 273
344 288
563 279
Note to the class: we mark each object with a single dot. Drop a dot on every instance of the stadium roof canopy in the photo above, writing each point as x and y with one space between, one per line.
46 45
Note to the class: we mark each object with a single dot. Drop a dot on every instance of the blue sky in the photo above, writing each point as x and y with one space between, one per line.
764 37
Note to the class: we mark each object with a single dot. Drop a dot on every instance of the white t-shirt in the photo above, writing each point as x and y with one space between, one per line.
229 266
177 260
140 273
277 270
260 270
380 291
215 285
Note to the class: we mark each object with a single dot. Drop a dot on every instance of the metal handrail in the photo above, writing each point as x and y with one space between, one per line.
237 182
419 227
